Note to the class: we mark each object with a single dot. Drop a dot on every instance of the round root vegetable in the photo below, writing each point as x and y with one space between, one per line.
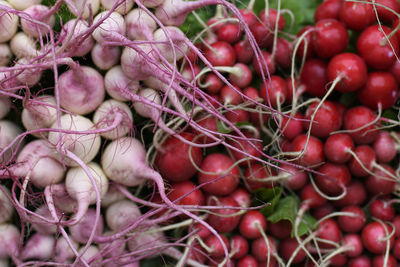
5 105
91 254
81 90
83 8
120 214
113 195
147 241
105 57
81 188
112 24
62 200
28 77
118 85
81 231
139 25
8 22
23 4
85 146
37 13
146 110
8 132
5 55
42 226
178 38
38 247
112 112
76 44
39 113
63 251
9 238
22 45
123 6
6 207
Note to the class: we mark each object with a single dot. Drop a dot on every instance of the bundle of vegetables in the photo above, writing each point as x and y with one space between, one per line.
123 140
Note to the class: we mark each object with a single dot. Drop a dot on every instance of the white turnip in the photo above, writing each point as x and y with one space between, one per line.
118 85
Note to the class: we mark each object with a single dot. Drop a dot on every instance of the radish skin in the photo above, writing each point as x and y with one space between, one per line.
107 114
6 207
38 247
23 4
151 3
81 231
76 45
63 252
113 195
81 90
113 24
105 57
8 22
84 146
29 77
145 110
62 200
139 25
123 6
5 55
91 252
117 84
36 116
120 214
22 45
178 38
9 238
8 132
41 226
5 105
39 13
83 8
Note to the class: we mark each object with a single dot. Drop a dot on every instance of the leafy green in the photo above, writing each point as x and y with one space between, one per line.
287 209
268 196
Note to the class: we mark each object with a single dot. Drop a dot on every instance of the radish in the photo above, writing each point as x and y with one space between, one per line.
8 132
376 237
75 44
105 57
356 15
81 90
112 24
385 147
151 3
5 105
120 214
36 13
7 208
22 45
225 219
113 113
177 37
81 188
123 6
252 223
83 8
81 231
41 226
63 251
90 255
39 113
360 122
23 4
382 209
117 84
145 110
354 223
62 200
139 25
8 21
5 55
85 146
28 77
38 247
113 195
9 238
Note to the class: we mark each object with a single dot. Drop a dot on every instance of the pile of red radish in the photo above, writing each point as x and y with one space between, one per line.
122 140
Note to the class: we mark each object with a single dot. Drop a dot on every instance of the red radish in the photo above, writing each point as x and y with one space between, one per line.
338 260
311 198
248 16
332 178
324 120
304 45
263 34
271 17
356 195
240 246
220 54
283 54
387 10
212 84
337 148
230 95
10 238
84 146
375 49
252 223
81 90
263 249
350 69
7 208
395 69
266 64
240 75
382 182
242 197
379 260
314 77
190 74
229 32
353 223
187 190
396 224
292 126
328 9
247 261
281 229
274 92
359 121
364 155
375 237
385 147
121 214
329 38
328 230
219 174
322 211
353 244
237 116
357 15
311 150
382 209
380 91
361 261
38 247
294 178
226 219
249 147
174 161
139 25
396 249
286 249
81 231
105 57
40 13
244 52
201 231
256 176
216 249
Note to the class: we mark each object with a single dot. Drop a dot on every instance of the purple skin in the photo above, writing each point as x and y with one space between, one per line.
81 231
38 247
105 57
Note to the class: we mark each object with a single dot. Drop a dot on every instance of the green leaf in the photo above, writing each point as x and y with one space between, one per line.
222 128
267 195
287 209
